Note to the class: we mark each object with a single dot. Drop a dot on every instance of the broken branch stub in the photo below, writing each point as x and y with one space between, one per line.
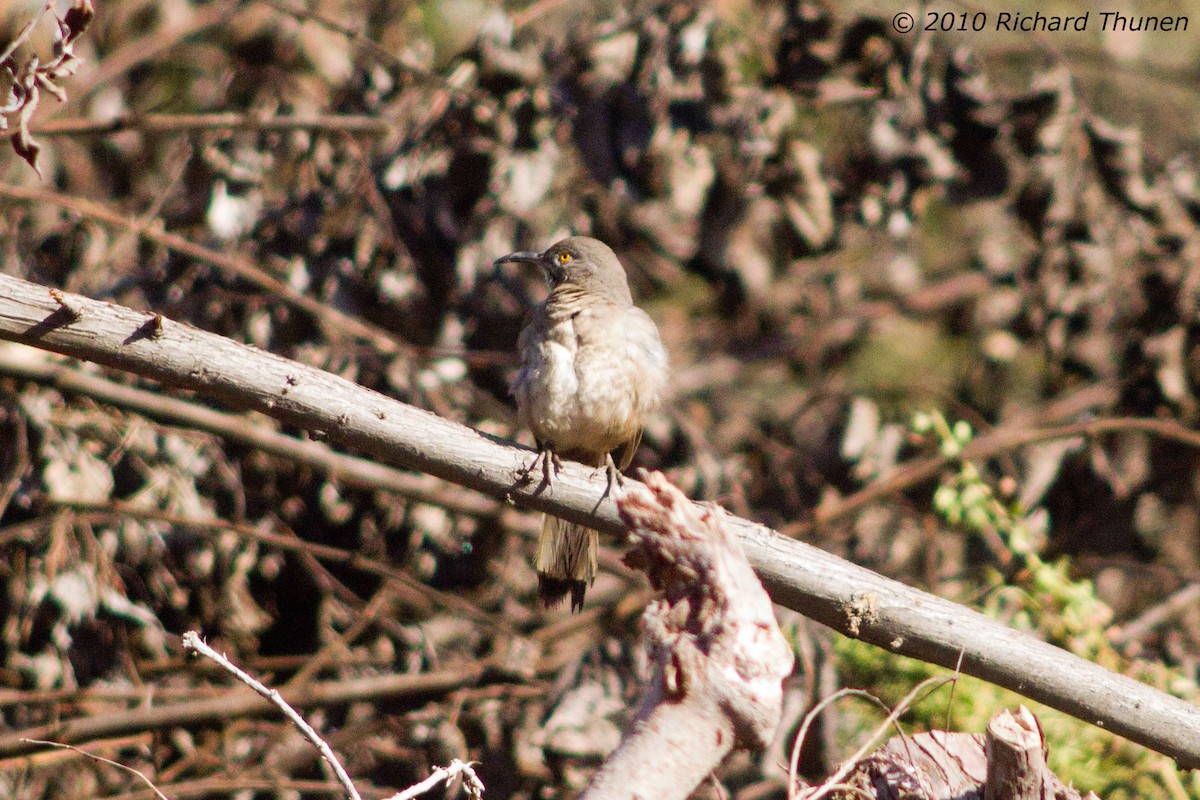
1008 762
717 656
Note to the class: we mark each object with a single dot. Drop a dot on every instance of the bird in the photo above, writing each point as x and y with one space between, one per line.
592 369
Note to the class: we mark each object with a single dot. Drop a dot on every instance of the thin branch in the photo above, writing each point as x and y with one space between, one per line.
230 264
850 763
376 50
1137 628
360 473
987 446
194 644
102 760
809 719
534 10
221 121
93 697
336 322
221 785
184 21
23 34
239 703
832 591
289 544
471 781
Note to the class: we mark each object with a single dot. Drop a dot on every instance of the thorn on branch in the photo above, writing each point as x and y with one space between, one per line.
66 304
152 328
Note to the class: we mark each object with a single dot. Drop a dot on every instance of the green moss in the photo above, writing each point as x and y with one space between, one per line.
688 292
451 26
839 132
734 33
912 363
946 238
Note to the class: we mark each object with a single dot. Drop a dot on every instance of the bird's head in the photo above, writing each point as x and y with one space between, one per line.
580 261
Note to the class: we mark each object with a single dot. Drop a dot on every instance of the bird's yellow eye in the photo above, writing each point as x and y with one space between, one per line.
564 258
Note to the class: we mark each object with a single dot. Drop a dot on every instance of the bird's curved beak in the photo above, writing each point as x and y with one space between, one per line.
519 258
524 257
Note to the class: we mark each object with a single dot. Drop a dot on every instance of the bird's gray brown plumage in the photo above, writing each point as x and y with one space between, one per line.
592 368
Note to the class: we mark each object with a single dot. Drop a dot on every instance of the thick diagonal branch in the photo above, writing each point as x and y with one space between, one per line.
844 596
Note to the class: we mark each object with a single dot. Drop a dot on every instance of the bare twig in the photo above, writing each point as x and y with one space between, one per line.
194 644
1136 628
219 785
471 781
534 10
907 702
23 34
221 121
231 264
335 321
347 470
103 760
990 445
376 50
241 704
809 719
184 21
289 544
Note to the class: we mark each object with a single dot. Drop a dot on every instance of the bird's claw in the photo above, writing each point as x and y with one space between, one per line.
615 478
551 465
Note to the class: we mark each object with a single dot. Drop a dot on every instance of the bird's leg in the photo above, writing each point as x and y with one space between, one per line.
551 464
615 478
614 474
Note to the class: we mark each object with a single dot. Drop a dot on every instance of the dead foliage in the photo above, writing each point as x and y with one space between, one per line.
833 226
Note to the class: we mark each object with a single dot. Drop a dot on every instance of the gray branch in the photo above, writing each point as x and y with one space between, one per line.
848 598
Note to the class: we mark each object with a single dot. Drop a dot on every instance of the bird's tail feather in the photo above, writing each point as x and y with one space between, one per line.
566 561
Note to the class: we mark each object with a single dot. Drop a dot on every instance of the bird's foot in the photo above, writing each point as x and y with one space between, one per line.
551 464
615 478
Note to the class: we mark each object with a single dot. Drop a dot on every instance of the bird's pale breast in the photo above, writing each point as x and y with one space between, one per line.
592 379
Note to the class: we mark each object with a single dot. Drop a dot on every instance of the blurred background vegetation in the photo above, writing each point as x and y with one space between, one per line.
863 248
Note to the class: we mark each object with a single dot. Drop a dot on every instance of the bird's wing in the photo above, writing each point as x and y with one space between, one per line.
623 455
646 348
528 351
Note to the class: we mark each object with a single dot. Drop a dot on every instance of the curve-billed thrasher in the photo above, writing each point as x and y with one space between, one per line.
592 368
